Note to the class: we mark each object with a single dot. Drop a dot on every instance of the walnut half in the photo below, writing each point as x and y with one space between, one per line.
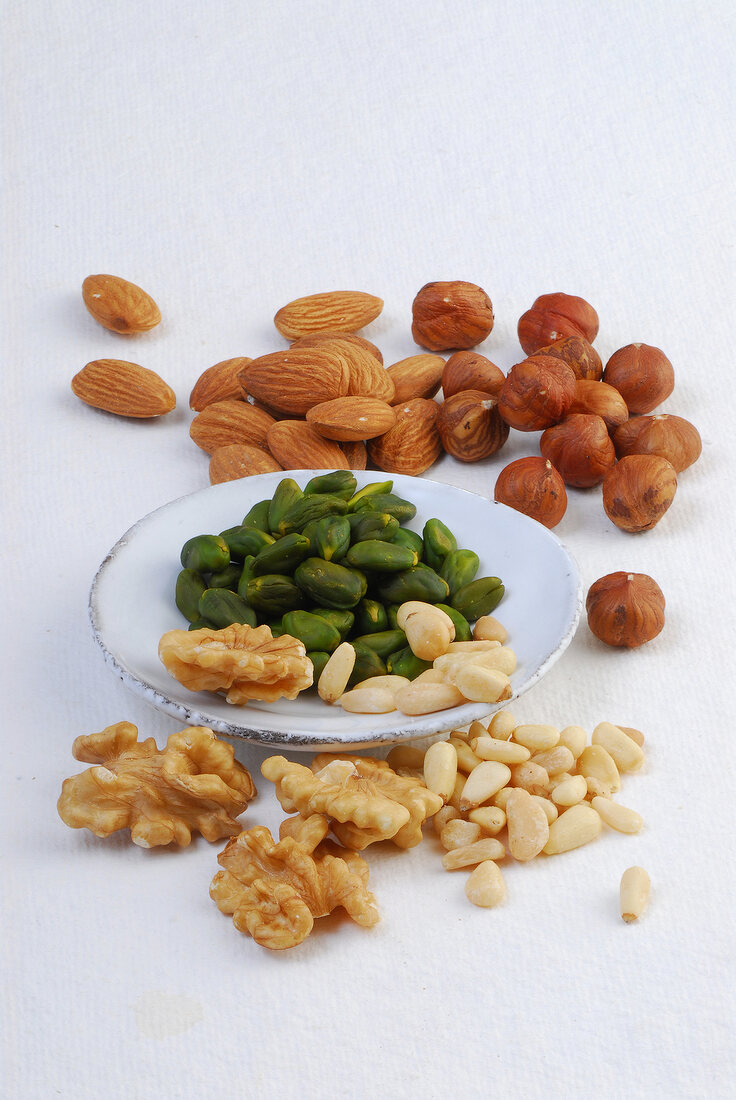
195 783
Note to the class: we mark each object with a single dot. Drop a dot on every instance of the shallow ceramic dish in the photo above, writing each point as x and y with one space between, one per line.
132 605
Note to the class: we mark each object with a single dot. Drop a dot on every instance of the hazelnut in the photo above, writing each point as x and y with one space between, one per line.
537 393
601 399
579 355
638 491
533 486
580 448
554 316
670 437
470 425
625 609
642 375
451 315
467 370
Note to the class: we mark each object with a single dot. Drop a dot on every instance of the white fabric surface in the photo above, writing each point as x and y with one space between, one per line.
229 157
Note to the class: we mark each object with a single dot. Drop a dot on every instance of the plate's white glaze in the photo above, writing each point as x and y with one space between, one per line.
132 605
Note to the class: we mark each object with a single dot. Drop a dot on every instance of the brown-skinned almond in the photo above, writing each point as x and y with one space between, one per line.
340 310
123 388
413 444
417 376
356 454
236 460
314 339
119 305
293 381
298 446
230 421
218 383
367 375
350 419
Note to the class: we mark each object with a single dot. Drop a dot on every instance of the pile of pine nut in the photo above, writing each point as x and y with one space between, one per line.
548 789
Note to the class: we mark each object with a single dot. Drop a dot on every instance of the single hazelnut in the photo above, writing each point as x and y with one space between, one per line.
451 315
670 437
554 316
533 486
470 425
467 370
625 609
579 355
642 375
638 491
536 394
580 448
601 399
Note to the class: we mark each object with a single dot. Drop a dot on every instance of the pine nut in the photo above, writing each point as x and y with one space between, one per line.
618 817
427 698
501 798
466 758
528 828
440 768
440 819
485 886
556 760
570 791
462 734
428 629
487 848
502 659
574 738
596 763
454 799
459 834
507 752
537 738
488 629
490 818
627 755
550 810
405 756
634 734
531 777
483 685
368 701
575 827
472 647
502 725
336 673
634 893
410 773
429 676
392 683
484 781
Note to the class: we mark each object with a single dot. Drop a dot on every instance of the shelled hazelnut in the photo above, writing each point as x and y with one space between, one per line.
601 399
580 448
638 491
643 375
470 425
537 393
533 486
554 316
670 437
580 356
625 609
467 370
450 315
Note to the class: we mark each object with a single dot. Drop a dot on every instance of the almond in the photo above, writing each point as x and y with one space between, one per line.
218 383
236 460
119 305
314 339
356 454
297 446
123 388
417 376
341 310
413 444
352 418
230 421
368 377
293 381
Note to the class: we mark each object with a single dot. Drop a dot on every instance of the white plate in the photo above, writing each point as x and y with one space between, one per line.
132 605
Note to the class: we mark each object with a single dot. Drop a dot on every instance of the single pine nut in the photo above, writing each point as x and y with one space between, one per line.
618 817
575 827
550 810
440 768
596 788
392 683
405 756
556 760
570 791
440 819
487 848
528 828
454 799
466 758
427 698
507 752
485 886
501 798
462 734
410 773
501 658
488 629
484 781
429 676
428 629
502 725
483 685
473 647
490 818
555 780
574 738
368 701
627 755
634 734
458 834
537 738
594 761
634 893
531 777
336 673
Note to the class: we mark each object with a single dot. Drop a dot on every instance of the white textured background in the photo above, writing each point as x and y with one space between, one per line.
229 157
